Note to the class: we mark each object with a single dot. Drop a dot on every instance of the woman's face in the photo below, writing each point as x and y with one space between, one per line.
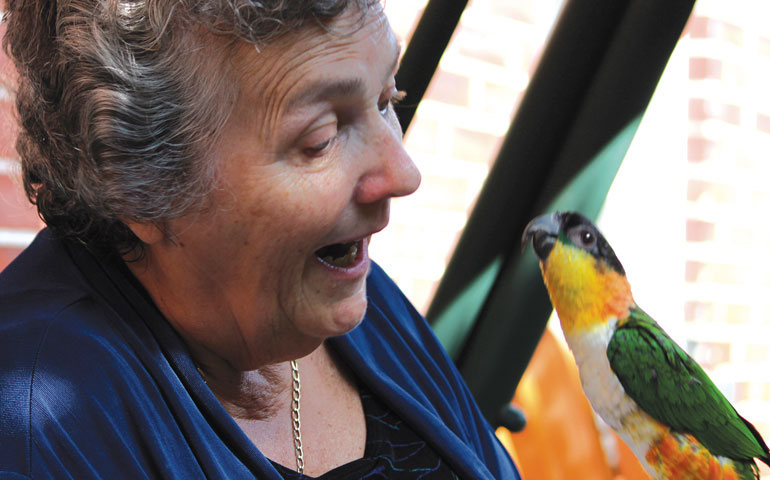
307 164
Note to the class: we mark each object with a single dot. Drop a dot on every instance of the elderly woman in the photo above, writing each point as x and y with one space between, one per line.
201 303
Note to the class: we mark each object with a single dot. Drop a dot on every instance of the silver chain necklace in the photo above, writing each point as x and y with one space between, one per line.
295 398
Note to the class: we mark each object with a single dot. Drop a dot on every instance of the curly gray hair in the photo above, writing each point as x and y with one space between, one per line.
119 101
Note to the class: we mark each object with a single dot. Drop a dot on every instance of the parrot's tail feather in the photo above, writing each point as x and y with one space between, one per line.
766 457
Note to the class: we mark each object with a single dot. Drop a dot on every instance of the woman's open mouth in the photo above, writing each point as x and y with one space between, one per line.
341 255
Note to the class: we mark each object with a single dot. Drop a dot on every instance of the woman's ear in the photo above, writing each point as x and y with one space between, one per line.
148 233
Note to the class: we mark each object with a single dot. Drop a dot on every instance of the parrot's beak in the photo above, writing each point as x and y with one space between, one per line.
543 231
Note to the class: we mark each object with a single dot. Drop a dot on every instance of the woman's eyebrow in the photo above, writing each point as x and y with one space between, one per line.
326 90
331 89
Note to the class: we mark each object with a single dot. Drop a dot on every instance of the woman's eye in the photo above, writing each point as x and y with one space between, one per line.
319 149
383 107
320 138
393 99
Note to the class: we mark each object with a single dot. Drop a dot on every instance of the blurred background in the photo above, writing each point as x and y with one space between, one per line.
686 215
688 212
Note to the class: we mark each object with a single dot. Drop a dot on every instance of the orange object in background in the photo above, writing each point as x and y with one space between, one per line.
561 439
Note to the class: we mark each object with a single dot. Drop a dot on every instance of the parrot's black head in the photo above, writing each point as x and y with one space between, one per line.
569 228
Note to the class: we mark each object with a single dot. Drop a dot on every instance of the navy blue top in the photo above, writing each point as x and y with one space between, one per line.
94 382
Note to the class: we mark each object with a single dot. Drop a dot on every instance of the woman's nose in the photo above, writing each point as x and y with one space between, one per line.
392 172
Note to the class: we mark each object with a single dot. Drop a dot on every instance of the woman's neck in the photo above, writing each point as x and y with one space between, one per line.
254 395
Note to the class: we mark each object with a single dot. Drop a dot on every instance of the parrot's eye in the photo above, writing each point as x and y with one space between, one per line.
583 237
587 237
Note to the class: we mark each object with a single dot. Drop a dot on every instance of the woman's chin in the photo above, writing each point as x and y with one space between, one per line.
341 319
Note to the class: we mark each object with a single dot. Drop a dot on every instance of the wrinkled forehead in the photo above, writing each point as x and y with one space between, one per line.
290 49
269 78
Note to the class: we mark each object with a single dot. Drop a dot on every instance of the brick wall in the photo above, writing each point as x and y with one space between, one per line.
727 255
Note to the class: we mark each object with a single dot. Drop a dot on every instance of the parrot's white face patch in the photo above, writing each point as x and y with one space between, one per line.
307 164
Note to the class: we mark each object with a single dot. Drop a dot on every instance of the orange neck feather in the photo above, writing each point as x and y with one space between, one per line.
584 291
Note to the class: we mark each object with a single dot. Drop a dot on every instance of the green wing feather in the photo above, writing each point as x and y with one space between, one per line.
672 388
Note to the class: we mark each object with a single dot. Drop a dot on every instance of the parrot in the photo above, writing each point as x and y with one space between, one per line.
636 378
